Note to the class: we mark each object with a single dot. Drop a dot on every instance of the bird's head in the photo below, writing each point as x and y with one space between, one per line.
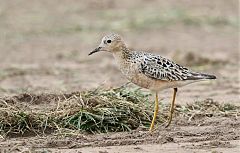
110 43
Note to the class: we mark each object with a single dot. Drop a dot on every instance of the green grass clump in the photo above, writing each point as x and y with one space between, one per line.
118 109
112 110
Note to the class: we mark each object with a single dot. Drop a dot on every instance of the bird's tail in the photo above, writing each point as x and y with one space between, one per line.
208 76
200 76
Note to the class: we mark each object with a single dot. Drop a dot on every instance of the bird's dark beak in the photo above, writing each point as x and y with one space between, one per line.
95 50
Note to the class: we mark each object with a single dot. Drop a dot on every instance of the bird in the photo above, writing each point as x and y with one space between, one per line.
149 71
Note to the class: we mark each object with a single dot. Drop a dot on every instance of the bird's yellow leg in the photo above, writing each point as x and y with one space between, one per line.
172 107
155 113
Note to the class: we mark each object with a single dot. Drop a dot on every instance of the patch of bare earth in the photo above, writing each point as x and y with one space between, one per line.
213 134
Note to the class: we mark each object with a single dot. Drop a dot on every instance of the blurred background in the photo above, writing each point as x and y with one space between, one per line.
44 45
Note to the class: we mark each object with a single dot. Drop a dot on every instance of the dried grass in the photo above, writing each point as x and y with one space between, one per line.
118 109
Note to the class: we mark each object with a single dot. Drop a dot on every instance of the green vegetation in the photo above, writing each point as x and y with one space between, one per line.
112 110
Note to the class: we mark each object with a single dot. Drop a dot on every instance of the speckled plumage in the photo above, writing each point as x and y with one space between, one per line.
155 72
148 70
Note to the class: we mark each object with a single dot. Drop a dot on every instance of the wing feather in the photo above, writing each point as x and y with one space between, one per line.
161 68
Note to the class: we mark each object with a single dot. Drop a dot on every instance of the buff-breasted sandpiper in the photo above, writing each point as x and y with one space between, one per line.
149 71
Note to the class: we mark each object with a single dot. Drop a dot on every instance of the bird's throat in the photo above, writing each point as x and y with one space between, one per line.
122 54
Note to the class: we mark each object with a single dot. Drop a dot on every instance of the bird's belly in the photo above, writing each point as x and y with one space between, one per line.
132 74
141 80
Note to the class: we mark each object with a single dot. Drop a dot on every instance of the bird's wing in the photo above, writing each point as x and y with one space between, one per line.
161 68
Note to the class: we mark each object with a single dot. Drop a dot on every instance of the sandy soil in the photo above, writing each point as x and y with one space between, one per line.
44 47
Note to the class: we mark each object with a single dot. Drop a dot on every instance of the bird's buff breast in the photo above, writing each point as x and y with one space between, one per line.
131 72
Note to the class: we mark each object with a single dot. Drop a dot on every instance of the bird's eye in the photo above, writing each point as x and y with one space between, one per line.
109 41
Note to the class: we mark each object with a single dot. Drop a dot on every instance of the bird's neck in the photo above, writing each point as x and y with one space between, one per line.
123 53
123 58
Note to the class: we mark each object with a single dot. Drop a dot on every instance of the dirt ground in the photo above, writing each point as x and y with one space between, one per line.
206 134
44 48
